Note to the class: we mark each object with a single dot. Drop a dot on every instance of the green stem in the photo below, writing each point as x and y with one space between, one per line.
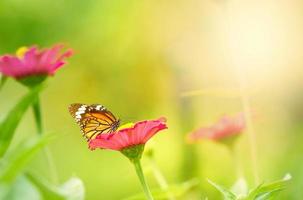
141 177
47 152
37 114
3 79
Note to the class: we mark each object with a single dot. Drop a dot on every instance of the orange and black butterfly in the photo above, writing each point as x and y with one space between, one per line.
94 119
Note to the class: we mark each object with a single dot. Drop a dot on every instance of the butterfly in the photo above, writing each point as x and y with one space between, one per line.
93 119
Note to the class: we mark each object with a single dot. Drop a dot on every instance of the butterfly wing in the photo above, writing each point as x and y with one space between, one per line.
93 119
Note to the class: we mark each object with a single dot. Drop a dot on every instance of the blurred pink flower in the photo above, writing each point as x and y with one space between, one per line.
226 128
33 61
125 138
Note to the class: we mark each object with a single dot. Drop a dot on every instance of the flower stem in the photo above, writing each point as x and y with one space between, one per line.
37 114
46 150
141 177
2 81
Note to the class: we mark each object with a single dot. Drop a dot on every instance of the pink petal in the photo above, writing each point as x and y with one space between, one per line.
30 59
34 62
49 56
225 127
12 66
140 133
59 61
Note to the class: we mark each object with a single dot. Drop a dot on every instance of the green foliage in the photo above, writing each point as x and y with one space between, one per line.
177 190
21 188
225 192
10 123
261 192
266 191
29 17
13 184
12 164
73 189
14 161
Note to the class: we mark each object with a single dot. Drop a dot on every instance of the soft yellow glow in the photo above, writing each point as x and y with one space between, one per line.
127 125
258 36
218 92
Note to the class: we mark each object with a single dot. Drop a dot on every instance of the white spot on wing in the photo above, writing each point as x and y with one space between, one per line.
82 108
79 112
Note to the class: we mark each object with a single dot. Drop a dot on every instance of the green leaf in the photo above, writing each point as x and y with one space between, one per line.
228 195
46 189
73 189
254 192
20 189
175 190
268 195
266 191
10 123
14 161
276 185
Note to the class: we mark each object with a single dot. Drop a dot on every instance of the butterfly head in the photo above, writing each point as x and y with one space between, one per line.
115 125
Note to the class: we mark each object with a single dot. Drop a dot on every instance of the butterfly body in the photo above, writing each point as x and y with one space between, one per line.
94 119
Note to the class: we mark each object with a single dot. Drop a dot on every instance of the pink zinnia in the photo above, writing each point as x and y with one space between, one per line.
125 138
225 128
130 142
33 62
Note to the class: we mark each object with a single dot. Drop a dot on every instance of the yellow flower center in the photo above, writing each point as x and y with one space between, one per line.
21 51
128 125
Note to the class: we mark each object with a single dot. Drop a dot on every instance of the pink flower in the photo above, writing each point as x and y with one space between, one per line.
126 138
34 62
130 142
225 128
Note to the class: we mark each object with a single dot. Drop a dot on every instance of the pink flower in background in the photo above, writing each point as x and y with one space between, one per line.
125 138
227 127
33 62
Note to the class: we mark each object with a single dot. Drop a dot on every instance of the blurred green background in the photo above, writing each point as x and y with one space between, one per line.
185 60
